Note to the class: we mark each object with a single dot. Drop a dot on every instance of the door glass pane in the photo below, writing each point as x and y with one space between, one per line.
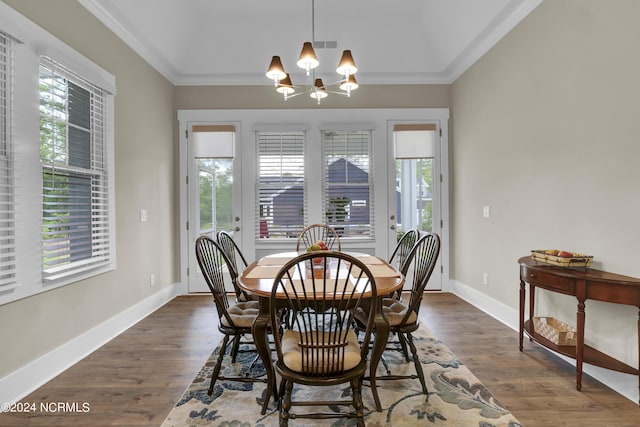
215 179
414 186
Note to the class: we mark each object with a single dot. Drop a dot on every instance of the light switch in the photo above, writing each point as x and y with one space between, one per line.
143 215
486 211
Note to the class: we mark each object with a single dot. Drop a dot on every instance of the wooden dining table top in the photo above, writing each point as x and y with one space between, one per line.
258 277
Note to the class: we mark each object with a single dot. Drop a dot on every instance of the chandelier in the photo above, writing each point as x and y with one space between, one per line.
308 61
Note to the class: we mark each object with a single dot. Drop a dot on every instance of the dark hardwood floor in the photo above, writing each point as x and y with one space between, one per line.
135 379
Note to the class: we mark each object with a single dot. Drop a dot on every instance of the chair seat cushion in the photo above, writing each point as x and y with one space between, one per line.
323 363
394 311
242 314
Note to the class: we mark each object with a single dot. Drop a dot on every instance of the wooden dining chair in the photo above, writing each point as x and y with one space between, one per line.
314 232
234 320
403 315
237 263
401 254
318 346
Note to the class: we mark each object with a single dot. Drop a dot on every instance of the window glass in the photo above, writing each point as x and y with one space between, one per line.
75 218
280 184
347 182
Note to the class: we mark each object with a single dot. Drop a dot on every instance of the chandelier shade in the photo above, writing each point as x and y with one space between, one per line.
275 71
347 65
308 61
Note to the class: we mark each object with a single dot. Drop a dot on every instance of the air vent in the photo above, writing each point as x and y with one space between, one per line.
325 44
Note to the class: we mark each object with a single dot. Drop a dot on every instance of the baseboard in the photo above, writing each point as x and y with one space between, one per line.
25 380
624 384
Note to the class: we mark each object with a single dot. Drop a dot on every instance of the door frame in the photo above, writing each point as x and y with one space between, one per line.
439 280
190 189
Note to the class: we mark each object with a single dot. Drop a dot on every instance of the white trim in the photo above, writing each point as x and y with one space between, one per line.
25 380
625 384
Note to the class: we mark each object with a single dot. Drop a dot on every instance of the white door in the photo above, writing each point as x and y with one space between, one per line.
415 196
213 186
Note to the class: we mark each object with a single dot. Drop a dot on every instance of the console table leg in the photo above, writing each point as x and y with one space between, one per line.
522 296
580 344
638 355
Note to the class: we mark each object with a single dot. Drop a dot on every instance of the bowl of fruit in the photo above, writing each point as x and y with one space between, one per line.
562 258
317 265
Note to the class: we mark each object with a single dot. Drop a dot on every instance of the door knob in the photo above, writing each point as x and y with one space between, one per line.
392 227
236 229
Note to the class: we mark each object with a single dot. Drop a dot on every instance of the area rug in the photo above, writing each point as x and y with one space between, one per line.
456 397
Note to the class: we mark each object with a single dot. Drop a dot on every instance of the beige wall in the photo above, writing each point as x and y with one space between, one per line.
545 131
256 97
145 162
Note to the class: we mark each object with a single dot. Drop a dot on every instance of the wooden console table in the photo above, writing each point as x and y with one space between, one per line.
583 283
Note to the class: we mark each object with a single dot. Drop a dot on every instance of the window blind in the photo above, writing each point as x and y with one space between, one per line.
214 141
280 184
75 207
7 213
414 141
347 182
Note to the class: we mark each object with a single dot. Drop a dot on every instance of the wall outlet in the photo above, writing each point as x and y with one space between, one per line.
143 215
152 280
486 211
485 279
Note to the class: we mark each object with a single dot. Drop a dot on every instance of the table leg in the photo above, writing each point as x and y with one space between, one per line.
379 344
522 296
261 339
639 355
580 320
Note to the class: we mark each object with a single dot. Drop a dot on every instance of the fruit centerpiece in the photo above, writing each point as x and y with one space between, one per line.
562 258
318 270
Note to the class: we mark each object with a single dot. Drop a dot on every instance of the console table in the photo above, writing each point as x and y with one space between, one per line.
583 283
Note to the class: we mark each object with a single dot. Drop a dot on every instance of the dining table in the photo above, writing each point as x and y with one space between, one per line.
257 279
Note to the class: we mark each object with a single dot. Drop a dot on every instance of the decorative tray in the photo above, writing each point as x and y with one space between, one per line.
561 258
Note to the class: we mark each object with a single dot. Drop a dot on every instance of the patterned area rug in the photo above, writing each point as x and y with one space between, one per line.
456 397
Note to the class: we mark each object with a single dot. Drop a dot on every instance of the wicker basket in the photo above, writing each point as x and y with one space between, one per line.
555 330
575 261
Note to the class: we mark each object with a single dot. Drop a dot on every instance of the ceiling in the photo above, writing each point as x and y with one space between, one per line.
213 42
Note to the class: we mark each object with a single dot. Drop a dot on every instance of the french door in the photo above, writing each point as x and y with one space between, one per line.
415 193
214 190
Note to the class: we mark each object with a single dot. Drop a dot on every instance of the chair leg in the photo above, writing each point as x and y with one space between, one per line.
286 404
416 362
403 344
356 390
235 348
216 369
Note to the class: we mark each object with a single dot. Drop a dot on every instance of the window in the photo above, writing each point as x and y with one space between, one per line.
280 184
347 182
75 216
57 212
7 215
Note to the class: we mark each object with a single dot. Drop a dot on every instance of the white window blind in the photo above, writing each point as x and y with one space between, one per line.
75 191
214 141
347 182
7 213
414 141
280 184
